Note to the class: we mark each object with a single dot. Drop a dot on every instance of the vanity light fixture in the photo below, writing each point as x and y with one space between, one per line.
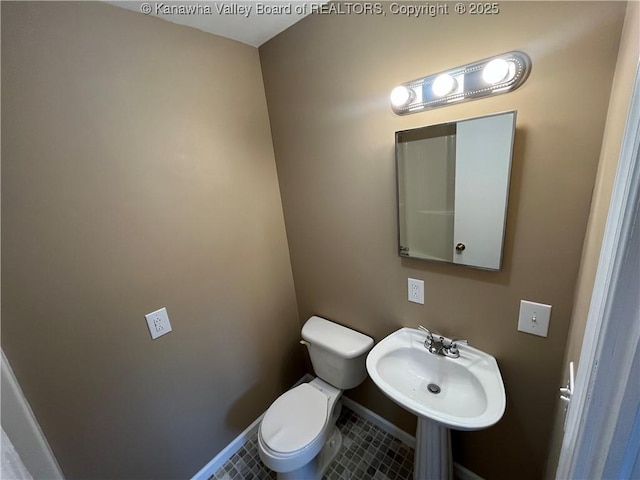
491 76
443 85
496 71
402 96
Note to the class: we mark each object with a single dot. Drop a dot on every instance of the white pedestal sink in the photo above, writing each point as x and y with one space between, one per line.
464 393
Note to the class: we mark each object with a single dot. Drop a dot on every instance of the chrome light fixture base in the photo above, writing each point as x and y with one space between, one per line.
491 76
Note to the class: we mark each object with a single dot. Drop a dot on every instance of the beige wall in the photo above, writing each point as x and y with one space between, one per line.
138 172
327 81
623 81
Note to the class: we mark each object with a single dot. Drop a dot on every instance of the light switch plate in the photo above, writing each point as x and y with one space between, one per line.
158 323
534 318
416 290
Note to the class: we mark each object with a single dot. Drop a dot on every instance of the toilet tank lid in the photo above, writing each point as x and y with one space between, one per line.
337 339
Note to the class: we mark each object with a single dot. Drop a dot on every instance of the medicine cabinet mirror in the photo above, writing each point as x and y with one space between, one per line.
453 186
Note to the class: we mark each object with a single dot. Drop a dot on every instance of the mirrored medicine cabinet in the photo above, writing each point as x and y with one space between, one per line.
453 186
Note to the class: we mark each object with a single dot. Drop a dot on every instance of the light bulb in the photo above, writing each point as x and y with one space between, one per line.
401 96
443 85
495 71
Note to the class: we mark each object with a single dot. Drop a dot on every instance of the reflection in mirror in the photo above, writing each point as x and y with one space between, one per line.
453 184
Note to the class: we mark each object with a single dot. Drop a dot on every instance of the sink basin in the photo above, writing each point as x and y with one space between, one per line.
464 393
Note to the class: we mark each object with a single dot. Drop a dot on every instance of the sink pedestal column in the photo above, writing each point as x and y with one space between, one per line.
433 452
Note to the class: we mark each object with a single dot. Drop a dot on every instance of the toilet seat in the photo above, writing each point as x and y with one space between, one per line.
294 420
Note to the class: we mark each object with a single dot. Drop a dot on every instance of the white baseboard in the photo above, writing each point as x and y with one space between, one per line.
380 422
236 444
460 472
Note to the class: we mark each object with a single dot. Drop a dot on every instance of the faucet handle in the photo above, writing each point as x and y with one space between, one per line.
429 339
452 349
424 329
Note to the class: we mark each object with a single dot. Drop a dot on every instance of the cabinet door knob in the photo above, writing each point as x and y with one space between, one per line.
460 247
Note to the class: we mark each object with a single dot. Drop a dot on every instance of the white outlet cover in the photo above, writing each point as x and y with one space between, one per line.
415 290
158 323
534 318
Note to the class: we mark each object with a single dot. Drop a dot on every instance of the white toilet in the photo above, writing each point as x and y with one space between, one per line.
298 437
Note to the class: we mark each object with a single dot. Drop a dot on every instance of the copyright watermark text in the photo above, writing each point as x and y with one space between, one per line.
247 8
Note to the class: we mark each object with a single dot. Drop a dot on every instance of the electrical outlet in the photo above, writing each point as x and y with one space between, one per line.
534 318
416 290
158 323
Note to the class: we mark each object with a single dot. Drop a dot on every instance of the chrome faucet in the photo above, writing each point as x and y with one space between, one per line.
439 345
432 344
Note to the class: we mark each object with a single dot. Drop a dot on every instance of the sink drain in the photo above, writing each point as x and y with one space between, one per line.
433 388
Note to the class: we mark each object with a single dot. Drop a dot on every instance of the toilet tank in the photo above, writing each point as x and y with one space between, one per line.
338 354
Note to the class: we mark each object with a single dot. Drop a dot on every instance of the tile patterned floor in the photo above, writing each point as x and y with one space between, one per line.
367 453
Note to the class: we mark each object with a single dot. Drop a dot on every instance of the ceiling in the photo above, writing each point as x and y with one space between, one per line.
243 21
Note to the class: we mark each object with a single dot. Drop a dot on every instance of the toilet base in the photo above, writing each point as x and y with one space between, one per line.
316 468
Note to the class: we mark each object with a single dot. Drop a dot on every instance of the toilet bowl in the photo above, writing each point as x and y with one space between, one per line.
297 427
298 437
